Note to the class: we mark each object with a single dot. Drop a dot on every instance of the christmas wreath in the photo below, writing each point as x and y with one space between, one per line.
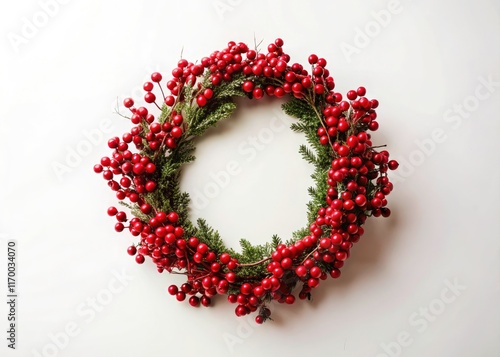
350 176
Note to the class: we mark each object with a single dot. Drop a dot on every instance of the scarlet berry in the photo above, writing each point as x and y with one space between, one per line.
335 273
173 217
313 59
128 102
201 100
393 165
156 77
176 132
172 289
112 211
194 301
258 93
248 86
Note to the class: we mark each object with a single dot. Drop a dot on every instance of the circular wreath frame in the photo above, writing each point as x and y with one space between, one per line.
350 176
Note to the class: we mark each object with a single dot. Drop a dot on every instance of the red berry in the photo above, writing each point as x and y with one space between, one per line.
319 89
194 301
286 263
313 59
205 301
393 165
246 289
313 282
360 200
98 169
208 93
128 102
131 250
139 258
149 97
176 132
225 258
170 100
172 289
315 272
341 255
248 86
258 93
201 100
112 211
335 273
156 77
173 217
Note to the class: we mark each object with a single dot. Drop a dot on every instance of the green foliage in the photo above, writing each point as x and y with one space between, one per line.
308 154
318 155
255 253
210 236
210 115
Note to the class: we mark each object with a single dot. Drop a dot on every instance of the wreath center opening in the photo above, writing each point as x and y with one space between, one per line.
247 170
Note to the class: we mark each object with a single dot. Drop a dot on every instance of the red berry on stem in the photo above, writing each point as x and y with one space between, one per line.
112 211
172 289
149 97
201 100
156 77
248 86
313 59
194 301
128 102
393 164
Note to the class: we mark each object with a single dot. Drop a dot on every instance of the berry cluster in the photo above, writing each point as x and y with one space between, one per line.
356 177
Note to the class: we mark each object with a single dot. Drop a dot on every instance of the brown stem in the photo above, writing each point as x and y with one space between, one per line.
255 263
308 255
311 103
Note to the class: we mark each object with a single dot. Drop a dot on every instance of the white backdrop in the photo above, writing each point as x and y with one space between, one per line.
423 282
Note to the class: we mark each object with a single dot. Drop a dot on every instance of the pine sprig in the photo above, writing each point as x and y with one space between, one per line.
210 236
210 116
308 154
